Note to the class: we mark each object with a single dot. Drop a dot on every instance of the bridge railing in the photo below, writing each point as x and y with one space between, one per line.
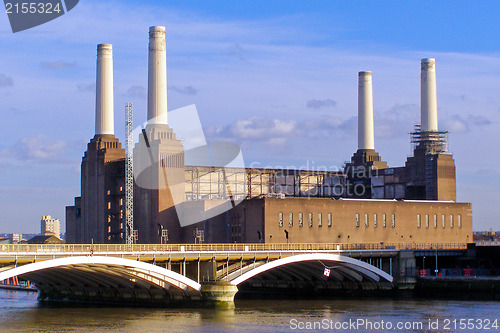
241 247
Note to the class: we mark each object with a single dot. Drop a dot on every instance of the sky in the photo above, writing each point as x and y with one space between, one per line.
277 77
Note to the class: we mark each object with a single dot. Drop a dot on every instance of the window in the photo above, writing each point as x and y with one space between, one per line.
300 220
435 221
330 219
459 221
310 219
357 220
121 214
418 220
393 220
121 188
443 218
109 204
109 229
427 221
109 192
384 220
374 220
451 221
280 217
121 201
320 222
290 219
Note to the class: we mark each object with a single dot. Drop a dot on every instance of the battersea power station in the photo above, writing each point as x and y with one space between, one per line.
174 202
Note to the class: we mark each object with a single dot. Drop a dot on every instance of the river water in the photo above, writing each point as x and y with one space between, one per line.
20 312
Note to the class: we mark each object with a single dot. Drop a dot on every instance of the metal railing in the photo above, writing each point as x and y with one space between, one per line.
241 247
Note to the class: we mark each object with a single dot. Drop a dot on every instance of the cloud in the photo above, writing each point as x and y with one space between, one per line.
58 64
455 124
324 126
398 121
478 120
6 81
84 87
187 90
320 103
273 132
395 122
137 92
37 148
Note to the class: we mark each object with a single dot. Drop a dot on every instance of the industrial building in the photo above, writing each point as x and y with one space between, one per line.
367 202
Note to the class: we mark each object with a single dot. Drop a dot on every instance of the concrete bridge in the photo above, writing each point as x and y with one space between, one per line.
170 273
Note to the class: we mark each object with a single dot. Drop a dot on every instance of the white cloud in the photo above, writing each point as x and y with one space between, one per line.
37 148
455 124
275 132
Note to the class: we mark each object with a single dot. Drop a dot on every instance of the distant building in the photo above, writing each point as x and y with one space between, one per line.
48 225
16 238
45 239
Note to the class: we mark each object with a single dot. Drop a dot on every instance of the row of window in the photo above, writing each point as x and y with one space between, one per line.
310 219
435 221
375 220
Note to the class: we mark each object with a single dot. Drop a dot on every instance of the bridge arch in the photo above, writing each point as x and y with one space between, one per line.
303 266
99 278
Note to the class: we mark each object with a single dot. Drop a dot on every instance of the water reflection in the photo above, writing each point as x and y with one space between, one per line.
20 312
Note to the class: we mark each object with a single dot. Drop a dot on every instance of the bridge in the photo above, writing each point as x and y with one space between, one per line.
165 274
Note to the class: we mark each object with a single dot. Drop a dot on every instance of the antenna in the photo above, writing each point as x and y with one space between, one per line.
131 234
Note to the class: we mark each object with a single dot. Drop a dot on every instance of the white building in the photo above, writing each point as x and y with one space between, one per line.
48 225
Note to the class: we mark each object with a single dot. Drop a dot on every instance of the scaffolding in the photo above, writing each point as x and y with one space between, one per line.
131 234
433 142
216 183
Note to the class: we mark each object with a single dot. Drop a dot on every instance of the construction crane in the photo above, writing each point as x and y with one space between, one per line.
131 234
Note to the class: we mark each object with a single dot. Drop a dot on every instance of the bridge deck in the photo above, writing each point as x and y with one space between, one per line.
25 253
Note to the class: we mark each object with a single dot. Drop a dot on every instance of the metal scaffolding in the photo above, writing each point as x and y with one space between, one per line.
434 142
131 234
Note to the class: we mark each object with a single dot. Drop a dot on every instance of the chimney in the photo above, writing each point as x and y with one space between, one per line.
157 76
428 99
104 114
365 111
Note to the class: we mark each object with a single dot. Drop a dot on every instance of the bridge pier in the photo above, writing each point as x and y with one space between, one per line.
219 293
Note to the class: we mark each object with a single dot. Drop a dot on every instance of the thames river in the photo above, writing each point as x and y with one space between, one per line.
20 312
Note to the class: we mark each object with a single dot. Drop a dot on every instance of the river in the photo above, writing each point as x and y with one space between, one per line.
21 312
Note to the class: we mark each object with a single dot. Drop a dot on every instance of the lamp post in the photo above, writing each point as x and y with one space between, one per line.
436 270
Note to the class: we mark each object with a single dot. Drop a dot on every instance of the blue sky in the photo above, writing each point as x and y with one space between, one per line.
279 78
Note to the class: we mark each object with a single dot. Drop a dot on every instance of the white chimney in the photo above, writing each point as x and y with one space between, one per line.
365 111
104 112
157 76
428 99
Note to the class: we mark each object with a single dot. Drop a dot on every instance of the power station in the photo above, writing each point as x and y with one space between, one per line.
368 202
